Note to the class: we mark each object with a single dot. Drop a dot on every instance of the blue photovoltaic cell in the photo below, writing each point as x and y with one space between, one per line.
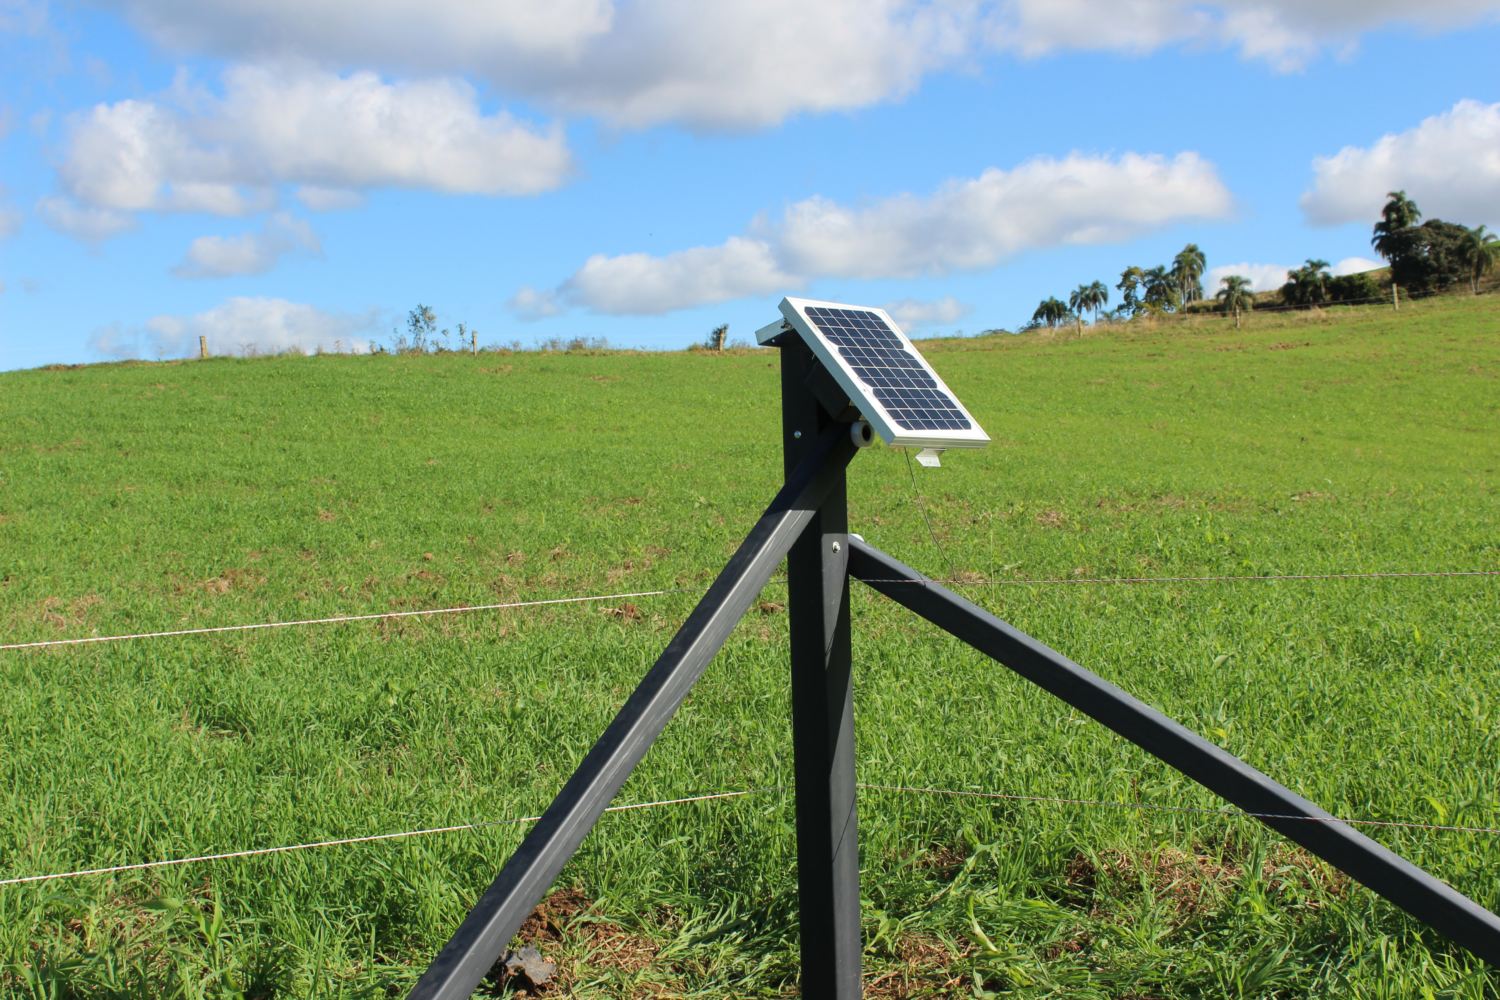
896 378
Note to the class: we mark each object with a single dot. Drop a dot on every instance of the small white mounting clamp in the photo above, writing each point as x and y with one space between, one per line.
928 458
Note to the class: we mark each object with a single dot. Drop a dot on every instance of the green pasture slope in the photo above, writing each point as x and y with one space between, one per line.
156 496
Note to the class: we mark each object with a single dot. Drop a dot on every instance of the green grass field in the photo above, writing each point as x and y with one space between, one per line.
143 497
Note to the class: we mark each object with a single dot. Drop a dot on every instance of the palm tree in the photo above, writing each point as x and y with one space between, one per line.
1479 249
1076 299
1091 298
1098 298
1161 290
1187 271
1236 295
1308 285
1051 311
1131 280
1400 214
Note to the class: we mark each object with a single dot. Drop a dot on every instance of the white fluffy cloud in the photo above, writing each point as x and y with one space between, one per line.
746 63
1269 277
226 154
1449 165
1284 33
249 253
978 222
239 326
1263 277
427 35
83 221
327 199
964 225
915 314
640 283
731 63
532 304
1356 265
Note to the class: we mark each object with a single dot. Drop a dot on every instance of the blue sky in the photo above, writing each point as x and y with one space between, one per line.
272 174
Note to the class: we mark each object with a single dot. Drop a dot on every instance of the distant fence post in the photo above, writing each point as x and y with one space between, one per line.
202 346
474 342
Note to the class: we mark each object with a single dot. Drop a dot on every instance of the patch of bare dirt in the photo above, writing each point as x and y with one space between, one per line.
923 969
1051 519
565 930
1191 883
232 579
62 614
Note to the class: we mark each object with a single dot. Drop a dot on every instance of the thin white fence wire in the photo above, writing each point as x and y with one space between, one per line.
718 796
1153 807
342 619
367 839
1226 578
641 594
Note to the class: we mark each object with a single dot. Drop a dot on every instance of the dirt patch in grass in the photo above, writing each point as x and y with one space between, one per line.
1195 884
232 579
943 861
924 968
62 614
1052 519
566 931
1188 883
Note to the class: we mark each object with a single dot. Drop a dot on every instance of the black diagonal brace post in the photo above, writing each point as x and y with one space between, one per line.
494 920
1429 900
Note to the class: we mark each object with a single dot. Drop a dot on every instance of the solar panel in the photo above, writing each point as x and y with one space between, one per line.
893 386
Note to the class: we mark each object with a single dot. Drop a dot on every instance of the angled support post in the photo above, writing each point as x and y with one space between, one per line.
822 695
487 930
1429 900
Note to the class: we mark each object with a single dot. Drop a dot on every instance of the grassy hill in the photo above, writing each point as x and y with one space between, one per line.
143 497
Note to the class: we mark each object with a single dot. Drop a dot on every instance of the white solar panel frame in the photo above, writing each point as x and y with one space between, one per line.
861 395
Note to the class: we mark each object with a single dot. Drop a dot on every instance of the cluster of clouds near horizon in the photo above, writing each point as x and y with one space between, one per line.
307 115
967 224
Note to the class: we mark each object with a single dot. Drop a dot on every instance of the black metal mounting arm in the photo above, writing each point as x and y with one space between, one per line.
1424 897
494 920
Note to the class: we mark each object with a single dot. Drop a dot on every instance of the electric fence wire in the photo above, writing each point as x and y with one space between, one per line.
1225 578
1147 807
343 619
954 579
366 839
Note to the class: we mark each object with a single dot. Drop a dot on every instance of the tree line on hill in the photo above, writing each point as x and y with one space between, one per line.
1424 259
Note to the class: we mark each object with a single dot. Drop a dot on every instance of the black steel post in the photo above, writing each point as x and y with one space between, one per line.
494 920
1426 898
822 703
